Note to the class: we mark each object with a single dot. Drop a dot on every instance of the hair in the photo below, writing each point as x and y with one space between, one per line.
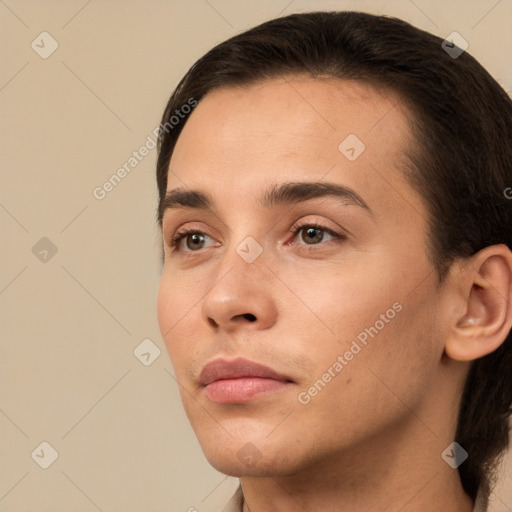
460 162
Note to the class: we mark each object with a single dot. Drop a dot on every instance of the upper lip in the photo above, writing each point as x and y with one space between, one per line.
221 369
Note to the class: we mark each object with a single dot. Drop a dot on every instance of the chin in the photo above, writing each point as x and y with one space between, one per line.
236 469
244 458
232 466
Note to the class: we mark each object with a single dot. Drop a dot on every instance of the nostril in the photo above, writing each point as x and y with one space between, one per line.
250 317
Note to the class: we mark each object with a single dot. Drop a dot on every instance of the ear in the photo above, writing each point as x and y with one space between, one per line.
486 287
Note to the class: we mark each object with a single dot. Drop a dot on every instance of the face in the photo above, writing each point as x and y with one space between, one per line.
328 285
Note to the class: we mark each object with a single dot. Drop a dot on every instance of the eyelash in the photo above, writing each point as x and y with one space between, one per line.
337 237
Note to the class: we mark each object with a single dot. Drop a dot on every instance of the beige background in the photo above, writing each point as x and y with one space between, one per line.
70 323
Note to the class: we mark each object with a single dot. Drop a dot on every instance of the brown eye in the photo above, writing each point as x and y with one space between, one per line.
194 240
312 235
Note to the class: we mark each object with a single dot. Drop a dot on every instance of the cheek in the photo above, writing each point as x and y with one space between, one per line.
389 355
178 293
165 305
340 301
366 386
175 307
378 318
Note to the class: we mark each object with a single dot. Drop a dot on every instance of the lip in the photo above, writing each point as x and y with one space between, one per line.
240 380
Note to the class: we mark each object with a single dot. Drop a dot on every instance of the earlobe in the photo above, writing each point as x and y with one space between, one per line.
487 317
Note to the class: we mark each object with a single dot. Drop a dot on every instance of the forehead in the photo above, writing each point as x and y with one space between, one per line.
292 128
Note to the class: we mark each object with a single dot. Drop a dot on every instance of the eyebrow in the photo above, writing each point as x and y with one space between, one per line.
278 194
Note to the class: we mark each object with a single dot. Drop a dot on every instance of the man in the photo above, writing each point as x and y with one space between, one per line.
337 279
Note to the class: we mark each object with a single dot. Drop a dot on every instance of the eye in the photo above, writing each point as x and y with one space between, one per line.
191 238
314 234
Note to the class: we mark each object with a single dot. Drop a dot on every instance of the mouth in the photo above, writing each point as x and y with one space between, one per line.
240 380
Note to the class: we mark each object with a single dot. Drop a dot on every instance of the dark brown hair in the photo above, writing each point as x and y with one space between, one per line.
461 162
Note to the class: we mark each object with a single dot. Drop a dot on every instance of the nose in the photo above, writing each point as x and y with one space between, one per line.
240 295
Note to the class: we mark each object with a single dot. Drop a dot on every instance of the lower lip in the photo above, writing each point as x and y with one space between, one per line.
244 389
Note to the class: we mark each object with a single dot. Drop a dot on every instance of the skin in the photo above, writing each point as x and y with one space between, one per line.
372 438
